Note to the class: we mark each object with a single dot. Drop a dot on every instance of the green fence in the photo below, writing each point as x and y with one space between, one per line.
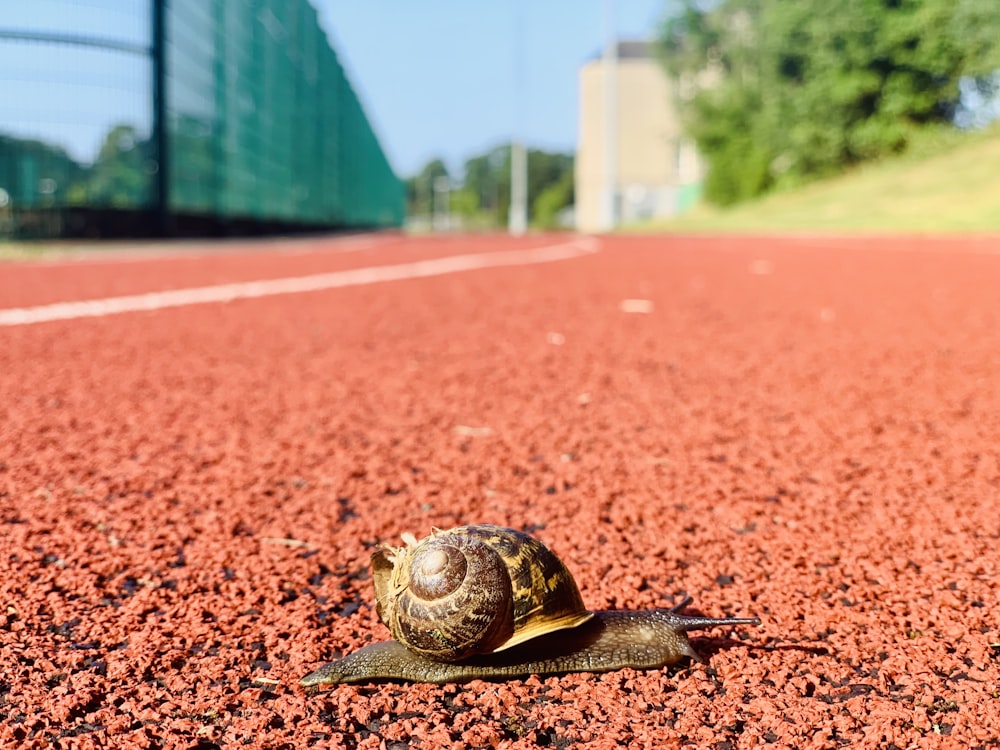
258 127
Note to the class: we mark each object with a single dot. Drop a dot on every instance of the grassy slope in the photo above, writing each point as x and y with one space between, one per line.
954 188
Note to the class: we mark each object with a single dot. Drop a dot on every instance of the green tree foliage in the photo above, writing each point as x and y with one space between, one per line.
551 201
36 174
483 200
777 92
420 188
120 176
39 174
487 176
550 187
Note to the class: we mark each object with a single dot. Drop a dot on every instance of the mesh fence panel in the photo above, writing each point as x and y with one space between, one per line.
262 125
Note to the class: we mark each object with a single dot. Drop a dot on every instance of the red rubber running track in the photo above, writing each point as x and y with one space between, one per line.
803 429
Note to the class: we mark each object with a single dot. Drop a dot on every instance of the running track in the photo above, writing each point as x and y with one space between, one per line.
199 447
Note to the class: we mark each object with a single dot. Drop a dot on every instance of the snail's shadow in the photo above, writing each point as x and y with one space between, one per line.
709 647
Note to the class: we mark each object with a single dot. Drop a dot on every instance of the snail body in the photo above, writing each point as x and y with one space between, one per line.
486 602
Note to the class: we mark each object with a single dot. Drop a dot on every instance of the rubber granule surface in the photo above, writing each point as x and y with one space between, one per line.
806 430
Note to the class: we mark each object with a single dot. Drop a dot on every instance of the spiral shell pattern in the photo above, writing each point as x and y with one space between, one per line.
473 590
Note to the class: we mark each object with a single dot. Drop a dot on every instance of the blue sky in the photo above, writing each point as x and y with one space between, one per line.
70 95
453 78
448 78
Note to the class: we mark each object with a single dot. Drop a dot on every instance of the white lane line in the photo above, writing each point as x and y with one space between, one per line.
17 316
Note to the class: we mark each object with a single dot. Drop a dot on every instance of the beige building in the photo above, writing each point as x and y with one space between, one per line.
657 172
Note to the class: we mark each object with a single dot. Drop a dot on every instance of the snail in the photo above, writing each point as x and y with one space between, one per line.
490 602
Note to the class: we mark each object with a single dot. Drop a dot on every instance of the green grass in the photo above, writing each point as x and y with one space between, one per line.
947 182
13 250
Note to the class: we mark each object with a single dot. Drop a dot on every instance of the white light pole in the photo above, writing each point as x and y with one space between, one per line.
518 223
609 213
442 204
517 218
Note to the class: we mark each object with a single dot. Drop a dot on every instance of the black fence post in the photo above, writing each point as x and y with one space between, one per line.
161 200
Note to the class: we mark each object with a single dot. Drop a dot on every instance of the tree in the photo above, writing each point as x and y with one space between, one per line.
120 176
483 198
36 173
782 92
420 188
549 170
488 177
552 199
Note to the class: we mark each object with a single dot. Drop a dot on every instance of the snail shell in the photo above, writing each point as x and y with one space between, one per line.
493 603
473 590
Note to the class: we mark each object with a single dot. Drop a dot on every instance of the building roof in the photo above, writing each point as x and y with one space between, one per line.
631 49
635 49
